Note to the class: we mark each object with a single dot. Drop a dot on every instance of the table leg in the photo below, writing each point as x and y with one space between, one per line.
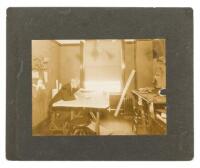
52 125
98 123
72 113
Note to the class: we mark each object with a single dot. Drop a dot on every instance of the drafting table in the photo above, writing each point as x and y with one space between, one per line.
91 100
151 100
150 97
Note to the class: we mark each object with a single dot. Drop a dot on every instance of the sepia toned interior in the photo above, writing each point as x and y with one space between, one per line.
99 87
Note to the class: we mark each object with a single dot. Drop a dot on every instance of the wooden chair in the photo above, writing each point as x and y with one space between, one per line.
78 125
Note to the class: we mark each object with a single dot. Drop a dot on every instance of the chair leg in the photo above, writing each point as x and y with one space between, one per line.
67 128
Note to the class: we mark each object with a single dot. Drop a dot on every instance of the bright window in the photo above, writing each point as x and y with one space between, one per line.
102 64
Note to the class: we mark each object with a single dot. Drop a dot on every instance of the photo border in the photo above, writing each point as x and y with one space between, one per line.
173 24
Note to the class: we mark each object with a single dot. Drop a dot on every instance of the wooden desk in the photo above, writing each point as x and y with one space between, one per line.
96 101
147 102
150 97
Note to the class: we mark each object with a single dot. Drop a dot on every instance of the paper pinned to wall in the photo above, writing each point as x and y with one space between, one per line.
35 74
45 76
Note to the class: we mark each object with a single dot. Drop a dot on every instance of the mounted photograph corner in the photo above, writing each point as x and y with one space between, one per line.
99 87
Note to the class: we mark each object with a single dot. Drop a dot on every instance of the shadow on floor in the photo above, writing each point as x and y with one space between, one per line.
109 125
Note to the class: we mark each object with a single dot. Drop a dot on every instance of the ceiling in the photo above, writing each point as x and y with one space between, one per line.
68 41
63 42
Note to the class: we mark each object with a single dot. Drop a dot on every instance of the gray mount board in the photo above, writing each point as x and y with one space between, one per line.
173 24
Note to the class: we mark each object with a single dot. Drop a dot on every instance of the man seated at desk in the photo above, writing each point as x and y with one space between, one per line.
75 120
66 92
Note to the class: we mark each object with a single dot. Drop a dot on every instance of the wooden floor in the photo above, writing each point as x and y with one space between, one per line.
109 125
121 125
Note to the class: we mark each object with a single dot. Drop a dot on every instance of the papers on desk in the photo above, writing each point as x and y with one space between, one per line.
83 93
146 90
161 114
150 96
164 120
164 115
87 99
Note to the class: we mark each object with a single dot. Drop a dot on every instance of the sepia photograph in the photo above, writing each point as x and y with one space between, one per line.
99 84
99 87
